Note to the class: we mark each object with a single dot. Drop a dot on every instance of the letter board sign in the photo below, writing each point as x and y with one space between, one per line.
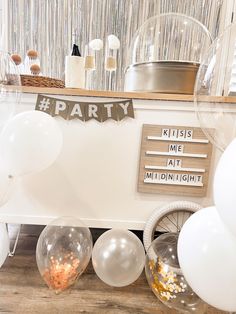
174 160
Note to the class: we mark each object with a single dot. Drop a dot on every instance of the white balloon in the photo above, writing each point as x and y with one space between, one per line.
7 184
9 94
207 257
30 142
7 107
224 186
118 257
4 243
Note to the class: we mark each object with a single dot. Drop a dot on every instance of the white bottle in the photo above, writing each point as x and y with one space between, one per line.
75 70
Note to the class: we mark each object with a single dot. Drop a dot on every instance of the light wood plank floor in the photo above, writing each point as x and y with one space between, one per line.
23 291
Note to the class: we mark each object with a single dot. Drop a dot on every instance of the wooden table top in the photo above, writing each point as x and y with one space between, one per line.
22 290
120 94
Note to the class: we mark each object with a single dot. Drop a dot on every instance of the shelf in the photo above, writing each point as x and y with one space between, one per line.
127 95
93 93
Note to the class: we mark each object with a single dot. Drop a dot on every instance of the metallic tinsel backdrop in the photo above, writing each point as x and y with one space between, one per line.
50 27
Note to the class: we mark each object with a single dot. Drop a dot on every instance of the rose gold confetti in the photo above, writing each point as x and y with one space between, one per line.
61 274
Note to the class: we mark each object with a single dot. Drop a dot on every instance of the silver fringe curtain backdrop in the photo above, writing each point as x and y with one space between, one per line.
49 26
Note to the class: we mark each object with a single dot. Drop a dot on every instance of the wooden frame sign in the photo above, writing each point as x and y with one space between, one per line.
174 160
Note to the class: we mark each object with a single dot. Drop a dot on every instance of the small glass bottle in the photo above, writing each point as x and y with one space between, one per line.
112 47
91 59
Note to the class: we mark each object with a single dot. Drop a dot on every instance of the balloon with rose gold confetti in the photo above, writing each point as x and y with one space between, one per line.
63 252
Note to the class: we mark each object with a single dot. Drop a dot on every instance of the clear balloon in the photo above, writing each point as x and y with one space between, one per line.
216 78
165 276
224 187
30 142
9 95
4 242
118 257
207 256
63 252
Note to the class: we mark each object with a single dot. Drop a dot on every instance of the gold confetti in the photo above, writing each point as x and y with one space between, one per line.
165 281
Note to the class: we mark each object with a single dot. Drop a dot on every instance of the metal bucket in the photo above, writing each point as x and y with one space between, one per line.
170 77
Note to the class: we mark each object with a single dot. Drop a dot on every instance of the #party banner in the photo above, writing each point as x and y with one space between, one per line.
85 111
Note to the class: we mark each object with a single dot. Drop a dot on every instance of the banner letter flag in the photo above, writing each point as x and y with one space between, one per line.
125 109
44 104
76 111
85 111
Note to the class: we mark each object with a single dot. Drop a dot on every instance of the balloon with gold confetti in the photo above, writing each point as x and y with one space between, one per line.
63 252
165 276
